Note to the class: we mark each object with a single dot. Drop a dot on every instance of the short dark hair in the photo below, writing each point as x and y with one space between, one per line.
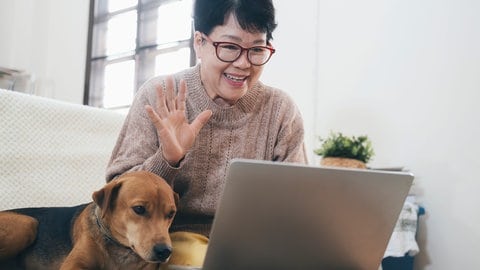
252 15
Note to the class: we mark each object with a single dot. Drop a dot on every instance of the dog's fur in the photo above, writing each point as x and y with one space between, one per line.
125 227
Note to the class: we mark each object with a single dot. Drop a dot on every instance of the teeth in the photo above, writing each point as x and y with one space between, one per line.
238 79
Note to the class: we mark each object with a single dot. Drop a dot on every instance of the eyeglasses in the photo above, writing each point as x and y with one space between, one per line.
229 52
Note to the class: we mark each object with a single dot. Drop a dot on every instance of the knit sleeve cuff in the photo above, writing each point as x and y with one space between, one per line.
158 165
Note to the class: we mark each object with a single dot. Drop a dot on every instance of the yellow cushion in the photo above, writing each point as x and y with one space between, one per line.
189 249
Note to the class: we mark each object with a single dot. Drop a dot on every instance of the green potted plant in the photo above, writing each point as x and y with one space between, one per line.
345 151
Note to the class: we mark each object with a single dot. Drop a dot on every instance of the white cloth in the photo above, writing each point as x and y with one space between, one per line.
52 153
403 240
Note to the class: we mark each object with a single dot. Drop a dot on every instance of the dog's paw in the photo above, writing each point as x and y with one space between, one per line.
17 232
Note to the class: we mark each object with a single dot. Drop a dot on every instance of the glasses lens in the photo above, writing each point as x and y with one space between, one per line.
228 52
258 55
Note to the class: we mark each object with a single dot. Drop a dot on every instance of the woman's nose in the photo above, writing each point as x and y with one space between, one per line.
243 61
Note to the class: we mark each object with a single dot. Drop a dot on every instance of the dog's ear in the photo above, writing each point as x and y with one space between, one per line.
105 196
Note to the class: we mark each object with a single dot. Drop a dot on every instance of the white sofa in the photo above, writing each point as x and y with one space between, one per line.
52 153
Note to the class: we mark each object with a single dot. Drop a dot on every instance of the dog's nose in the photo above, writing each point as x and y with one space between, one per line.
162 252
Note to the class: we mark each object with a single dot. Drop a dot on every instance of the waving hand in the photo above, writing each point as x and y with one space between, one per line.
175 134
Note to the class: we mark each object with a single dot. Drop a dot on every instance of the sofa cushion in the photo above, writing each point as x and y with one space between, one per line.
52 153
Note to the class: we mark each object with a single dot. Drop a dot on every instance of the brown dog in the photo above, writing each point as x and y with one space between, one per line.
125 227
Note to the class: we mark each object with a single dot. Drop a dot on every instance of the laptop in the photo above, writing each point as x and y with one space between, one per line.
289 216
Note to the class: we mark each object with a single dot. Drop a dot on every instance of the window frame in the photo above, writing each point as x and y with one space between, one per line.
141 55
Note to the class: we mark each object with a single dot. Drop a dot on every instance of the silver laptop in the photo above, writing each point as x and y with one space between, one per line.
285 216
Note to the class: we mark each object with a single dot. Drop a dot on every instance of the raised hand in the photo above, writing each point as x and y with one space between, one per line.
175 134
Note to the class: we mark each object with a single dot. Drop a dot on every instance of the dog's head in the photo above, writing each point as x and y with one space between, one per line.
138 209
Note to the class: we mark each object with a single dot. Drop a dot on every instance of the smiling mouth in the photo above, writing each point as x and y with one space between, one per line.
235 78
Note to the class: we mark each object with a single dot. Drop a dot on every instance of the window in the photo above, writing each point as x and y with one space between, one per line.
131 41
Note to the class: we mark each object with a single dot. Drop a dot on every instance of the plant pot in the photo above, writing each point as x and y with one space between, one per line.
343 162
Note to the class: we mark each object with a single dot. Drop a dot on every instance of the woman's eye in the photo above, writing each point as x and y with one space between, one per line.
230 47
139 210
257 50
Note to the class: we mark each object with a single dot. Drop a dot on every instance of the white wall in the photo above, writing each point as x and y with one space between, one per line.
406 73
294 64
48 39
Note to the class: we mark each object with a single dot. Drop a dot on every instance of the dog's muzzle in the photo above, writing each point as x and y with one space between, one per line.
161 252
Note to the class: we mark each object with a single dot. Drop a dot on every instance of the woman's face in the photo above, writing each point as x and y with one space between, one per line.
228 82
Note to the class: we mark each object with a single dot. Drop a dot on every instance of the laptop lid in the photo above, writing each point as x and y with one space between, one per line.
291 216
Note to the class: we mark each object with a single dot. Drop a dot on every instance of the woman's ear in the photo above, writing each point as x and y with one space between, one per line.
198 43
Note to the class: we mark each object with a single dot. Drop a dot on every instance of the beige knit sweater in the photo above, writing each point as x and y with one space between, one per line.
264 124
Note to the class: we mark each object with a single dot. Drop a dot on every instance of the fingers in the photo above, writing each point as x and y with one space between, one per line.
200 121
161 105
156 120
167 101
181 96
170 95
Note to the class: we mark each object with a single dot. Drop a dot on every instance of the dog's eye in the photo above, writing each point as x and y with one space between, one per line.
139 210
171 214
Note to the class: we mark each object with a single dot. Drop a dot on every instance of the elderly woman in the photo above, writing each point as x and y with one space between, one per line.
187 127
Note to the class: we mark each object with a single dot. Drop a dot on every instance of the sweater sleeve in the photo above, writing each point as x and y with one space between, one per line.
290 145
137 147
